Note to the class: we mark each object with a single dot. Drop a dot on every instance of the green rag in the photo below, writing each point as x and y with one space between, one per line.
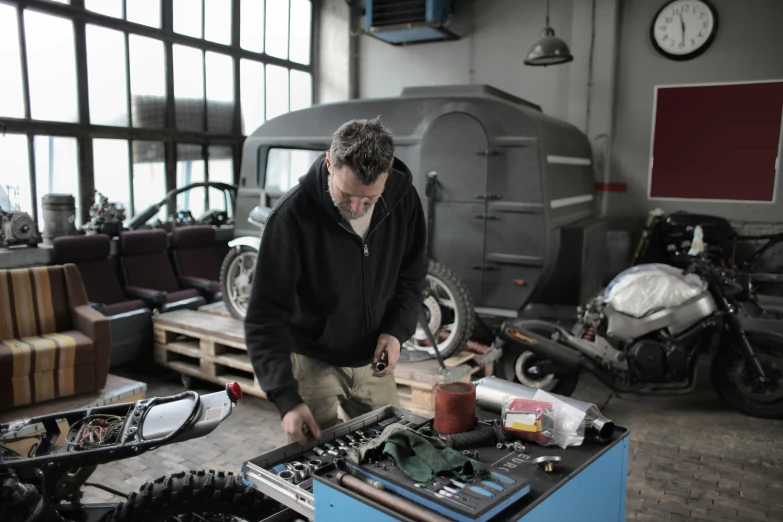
421 458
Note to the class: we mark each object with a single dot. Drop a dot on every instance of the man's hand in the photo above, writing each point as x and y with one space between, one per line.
295 419
389 345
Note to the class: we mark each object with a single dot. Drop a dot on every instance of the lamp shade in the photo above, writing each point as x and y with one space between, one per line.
548 50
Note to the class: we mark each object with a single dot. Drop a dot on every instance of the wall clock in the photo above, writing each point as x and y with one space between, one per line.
683 29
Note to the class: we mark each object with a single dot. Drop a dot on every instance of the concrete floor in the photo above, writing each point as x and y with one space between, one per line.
692 458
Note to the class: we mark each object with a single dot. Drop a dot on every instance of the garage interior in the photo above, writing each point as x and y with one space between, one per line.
599 179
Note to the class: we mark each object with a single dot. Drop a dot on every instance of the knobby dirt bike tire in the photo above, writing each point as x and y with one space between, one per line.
198 492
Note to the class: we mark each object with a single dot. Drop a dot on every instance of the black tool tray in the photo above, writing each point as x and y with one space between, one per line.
479 500
260 472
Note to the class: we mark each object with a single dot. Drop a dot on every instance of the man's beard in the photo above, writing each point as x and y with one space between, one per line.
345 209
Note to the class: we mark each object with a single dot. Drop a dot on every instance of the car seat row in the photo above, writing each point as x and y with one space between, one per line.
145 273
146 276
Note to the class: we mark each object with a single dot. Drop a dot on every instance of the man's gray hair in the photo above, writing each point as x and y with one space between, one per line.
364 146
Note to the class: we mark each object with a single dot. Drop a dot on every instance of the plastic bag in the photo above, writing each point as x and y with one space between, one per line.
644 288
569 422
529 420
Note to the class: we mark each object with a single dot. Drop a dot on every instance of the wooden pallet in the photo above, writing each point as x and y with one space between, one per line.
209 345
216 308
416 382
206 346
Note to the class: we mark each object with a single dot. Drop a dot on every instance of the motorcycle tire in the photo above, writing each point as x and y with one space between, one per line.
202 495
513 368
234 308
733 383
452 298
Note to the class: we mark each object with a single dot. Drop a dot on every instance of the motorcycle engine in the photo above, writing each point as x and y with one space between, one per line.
656 361
648 359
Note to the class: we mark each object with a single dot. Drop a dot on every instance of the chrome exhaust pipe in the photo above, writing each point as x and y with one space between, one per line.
491 390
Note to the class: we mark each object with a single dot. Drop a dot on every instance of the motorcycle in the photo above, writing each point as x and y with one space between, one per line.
46 461
447 307
643 336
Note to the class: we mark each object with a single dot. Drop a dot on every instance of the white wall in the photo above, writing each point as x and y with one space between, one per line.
748 46
496 35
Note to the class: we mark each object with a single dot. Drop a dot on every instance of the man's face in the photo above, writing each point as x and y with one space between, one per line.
352 198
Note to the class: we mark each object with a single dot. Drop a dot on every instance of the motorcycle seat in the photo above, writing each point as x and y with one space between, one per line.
260 214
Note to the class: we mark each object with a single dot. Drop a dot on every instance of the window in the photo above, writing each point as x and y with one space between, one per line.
106 76
276 91
284 167
189 87
148 82
221 169
56 170
277 28
145 12
51 67
217 21
149 176
301 18
187 17
251 34
301 90
220 92
105 7
251 89
112 171
91 76
190 169
11 87
15 174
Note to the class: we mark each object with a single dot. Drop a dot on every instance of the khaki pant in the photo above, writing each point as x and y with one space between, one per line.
324 387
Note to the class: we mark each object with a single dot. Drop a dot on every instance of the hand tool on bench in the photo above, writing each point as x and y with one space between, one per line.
389 500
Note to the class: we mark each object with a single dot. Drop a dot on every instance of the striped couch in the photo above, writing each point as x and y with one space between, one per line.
52 342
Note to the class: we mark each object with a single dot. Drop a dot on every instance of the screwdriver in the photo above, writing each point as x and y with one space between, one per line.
477 489
448 496
454 492
466 491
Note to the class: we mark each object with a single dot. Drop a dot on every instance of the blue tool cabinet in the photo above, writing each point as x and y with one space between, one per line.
588 486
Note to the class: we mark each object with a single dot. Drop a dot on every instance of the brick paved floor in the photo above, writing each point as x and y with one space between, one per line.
691 458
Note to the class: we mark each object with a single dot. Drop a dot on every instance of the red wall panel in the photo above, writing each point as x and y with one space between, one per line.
716 141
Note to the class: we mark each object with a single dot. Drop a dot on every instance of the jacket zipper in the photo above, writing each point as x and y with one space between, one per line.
364 278
364 267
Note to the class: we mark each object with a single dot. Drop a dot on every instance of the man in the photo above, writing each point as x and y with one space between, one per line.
338 283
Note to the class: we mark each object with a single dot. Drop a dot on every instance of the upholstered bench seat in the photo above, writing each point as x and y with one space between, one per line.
52 342
34 369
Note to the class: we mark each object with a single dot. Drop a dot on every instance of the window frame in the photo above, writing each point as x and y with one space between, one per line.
85 131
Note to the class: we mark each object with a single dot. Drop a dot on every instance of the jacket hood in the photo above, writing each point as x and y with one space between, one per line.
315 185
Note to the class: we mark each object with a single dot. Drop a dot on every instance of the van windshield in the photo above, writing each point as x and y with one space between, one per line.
284 167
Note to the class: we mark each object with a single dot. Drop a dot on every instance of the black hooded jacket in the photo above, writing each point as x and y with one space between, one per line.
321 291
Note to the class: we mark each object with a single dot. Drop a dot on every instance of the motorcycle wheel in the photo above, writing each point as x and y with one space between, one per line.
202 496
449 311
734 379
519 365
236 279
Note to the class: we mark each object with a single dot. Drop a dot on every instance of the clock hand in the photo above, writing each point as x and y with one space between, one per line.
682 24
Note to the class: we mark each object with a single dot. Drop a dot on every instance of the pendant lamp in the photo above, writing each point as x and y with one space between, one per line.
549 49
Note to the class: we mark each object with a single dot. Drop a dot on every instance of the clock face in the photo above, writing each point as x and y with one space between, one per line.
683 29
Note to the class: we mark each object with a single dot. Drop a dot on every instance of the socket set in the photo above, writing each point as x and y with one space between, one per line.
286 473
477 500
